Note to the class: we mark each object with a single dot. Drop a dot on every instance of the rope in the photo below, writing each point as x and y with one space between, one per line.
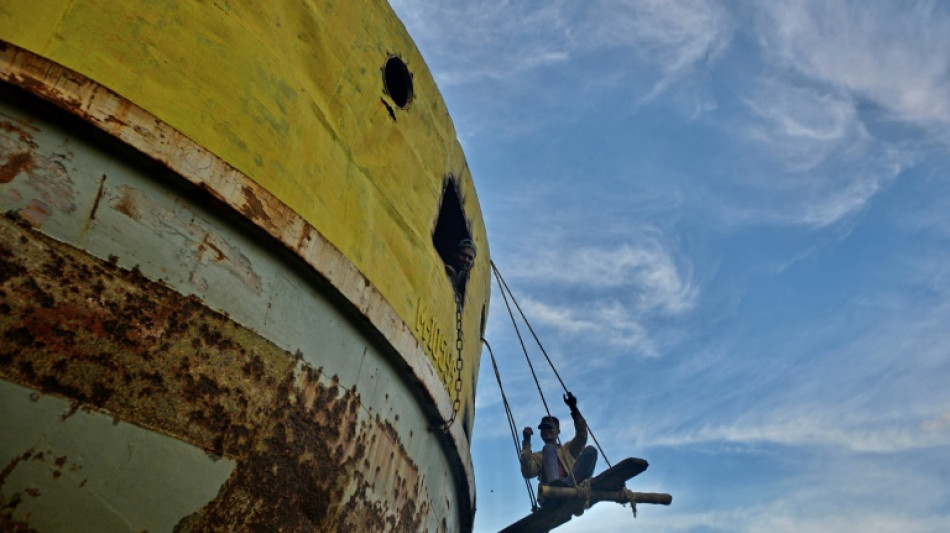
534 374
520 340
511 424
504 288
585 487
630 497
502 282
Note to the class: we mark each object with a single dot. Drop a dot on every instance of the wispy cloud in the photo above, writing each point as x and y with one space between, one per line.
876 405
827 492
674 35
803 125
818 199
606 293
865 380
838 76
608 319
655 281
779 517
938 424
478 41
816 163
819 429
893 55
822 151
473 41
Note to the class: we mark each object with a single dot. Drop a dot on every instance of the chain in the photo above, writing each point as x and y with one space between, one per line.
457 404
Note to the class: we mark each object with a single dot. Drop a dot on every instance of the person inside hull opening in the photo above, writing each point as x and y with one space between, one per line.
460 264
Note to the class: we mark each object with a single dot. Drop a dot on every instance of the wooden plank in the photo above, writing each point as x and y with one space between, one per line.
558 512
597 496
615 476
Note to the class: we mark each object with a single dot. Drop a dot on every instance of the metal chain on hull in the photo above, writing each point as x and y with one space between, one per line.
459 363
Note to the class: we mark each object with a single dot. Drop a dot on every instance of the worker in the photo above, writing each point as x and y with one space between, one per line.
460 263
558 465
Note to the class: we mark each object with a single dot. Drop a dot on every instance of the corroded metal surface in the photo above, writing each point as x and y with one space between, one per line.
112 339
141 130
318 464
7 521
136 127
308 457
342 447
88 463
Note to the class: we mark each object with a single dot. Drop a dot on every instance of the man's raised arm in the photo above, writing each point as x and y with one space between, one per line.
530 464
576 445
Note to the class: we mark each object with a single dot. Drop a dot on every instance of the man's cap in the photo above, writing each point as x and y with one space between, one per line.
467 243
550 420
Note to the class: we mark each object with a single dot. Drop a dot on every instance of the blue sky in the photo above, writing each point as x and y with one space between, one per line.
729 224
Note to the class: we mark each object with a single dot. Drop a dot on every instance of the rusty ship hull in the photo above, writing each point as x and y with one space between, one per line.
222 298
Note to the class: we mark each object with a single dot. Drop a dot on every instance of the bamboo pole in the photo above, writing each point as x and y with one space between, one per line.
620 496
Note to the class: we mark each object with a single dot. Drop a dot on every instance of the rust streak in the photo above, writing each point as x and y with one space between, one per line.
11 501
7 470
19 127
95 203
15 164
253 207
304 239
206 244
127 204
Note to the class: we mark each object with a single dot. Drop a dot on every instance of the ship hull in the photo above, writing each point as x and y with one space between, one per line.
224 231
167 364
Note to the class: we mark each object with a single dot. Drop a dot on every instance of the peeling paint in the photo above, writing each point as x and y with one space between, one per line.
253 208
205 244
36 212
7 505
15 164
308 456
45 175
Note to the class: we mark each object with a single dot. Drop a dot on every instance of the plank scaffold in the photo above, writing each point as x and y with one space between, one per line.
561 503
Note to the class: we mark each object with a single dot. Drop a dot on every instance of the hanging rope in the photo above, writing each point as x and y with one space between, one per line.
534 374
511 424
504 285
504 288
526 356
520 340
